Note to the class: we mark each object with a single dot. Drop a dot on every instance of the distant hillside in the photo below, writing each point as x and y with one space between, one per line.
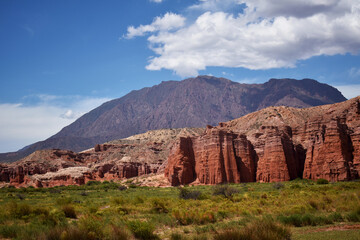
193 102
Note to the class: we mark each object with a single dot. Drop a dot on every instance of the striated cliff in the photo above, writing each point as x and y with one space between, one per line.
271 145
126 158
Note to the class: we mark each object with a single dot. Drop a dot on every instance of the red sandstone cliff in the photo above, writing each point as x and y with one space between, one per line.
274 144
126 158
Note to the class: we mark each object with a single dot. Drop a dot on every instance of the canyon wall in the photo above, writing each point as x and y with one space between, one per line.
321 142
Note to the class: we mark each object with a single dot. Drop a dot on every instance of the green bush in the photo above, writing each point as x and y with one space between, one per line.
322 181
63 200
92 183
278 185
159 205
353 216
118 233
176 236
9 231
298 220
193 216
225 190
68 233
19 210
264 229
142 230
185 193
69 211
92 227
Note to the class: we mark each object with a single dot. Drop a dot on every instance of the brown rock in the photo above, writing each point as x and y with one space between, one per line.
276 143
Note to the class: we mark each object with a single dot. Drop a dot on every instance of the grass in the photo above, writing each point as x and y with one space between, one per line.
113 211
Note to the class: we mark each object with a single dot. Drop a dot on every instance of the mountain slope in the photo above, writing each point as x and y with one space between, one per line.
193 102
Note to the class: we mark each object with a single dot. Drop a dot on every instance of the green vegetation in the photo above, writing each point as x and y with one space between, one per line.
300 209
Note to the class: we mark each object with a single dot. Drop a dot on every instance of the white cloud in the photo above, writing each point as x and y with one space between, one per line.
268 34
23 124
354 72
169 21
156 1
349 91
215 5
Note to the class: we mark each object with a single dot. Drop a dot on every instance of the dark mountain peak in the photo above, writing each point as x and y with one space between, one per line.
193 102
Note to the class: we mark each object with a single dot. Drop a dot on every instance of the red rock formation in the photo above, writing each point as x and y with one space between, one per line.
183 162
278 161
127 158
220 157
329 155
284 144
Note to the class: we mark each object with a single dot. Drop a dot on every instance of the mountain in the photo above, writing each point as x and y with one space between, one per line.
193 102
271 145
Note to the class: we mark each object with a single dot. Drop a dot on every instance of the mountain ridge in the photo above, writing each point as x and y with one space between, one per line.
193 102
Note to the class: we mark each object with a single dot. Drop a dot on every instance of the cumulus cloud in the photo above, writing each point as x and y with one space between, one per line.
169 21
22 124
156 1
265 35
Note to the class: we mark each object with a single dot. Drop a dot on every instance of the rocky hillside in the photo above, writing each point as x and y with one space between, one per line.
134 156
272 145
194 102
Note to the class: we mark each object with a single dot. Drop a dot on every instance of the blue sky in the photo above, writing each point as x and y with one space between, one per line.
60 59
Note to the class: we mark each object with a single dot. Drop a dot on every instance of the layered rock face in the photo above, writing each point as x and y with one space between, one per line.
126 158
272 145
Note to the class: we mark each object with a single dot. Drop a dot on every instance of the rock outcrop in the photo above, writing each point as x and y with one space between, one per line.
272 145
126 158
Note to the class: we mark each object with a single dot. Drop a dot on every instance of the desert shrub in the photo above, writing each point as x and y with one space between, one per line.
69 211
9 231
133 185
142 230
55 217
278 185
159 205
313 204
353 216
20 196
122 187
185 193
199 237
63 200
225 190
176 236
19 210
92 183
138 200
298 220
118 200
68 233
91 226
83 193
54 190
295 186
263 229
322 181
122 210
335 217
118 233
195 216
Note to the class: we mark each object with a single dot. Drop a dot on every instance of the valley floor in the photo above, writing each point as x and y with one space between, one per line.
300 209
